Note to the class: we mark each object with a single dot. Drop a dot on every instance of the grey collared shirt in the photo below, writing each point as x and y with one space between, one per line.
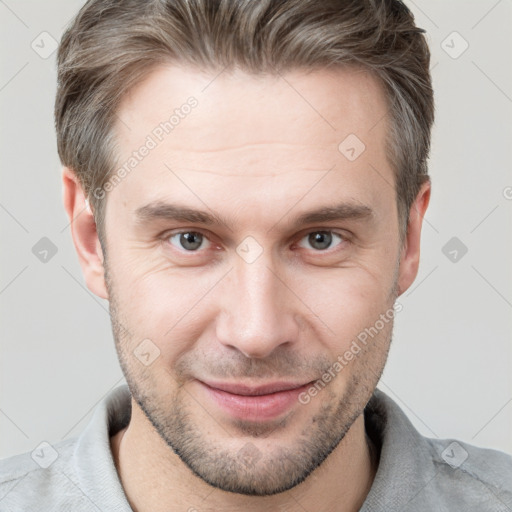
415 473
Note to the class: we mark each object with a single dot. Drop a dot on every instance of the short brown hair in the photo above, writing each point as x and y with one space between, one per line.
113 44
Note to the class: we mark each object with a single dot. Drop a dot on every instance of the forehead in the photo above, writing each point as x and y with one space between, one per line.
277 134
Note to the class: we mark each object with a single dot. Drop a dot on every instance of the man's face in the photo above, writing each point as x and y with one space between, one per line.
223 327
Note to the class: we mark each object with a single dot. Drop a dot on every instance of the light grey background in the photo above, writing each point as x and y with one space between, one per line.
450 364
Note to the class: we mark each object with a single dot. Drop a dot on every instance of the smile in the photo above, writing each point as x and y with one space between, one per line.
254 403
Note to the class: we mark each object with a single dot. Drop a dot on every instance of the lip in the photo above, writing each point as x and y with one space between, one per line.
256 403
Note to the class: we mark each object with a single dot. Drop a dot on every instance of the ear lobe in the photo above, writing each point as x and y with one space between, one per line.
84 234
410 254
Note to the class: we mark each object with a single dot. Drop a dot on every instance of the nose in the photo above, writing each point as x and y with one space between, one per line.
257 309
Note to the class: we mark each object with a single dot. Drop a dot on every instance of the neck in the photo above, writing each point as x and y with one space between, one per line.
155 479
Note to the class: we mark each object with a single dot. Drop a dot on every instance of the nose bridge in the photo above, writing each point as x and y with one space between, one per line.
258 316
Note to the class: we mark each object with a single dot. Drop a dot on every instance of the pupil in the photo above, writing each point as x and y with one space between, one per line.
190 240
320 240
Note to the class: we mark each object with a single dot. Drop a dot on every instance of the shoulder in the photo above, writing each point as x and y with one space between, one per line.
42 461
420 474
76 474
471 473
41 479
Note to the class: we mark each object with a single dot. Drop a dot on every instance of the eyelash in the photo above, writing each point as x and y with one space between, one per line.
344 239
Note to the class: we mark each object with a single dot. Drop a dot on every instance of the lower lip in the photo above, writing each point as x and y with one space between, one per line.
255 408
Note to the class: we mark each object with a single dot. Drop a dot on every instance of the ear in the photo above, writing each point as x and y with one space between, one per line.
410 254
83 231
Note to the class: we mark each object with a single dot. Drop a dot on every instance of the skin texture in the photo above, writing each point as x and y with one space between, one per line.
257 152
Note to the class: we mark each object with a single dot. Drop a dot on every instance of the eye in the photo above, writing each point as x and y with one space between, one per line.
190 241
321 240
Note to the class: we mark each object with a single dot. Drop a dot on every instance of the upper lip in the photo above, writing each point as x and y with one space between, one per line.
253 390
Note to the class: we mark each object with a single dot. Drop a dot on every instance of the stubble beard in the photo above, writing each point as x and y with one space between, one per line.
245 467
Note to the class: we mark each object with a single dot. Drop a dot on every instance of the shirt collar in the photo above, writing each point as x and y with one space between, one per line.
405 457
92 458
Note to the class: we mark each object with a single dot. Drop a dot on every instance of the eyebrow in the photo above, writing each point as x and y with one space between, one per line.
159 210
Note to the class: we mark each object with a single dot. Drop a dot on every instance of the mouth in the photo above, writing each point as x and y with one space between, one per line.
256 403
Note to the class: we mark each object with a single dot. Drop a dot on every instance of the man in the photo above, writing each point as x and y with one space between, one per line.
246 182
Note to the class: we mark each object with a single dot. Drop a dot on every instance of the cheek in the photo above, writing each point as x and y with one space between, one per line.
175 307
346 302
163 305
